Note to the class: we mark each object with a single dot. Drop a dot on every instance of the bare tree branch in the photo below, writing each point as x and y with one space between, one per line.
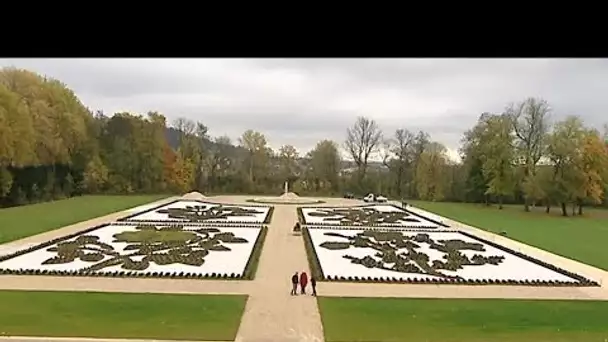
362 139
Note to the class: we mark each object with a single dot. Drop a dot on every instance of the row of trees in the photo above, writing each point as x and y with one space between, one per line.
514 156
52 146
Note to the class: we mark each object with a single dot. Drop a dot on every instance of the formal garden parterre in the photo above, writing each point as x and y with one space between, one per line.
373 215
188 239
135 250
203 211
359 248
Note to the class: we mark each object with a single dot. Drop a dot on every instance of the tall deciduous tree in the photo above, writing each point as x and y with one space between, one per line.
497 156
398 155
289 169
255 143
530 125
592 167
325 165
429 172
362 140
563 149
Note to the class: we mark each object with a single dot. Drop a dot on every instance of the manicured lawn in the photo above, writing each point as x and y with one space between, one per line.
20 222
459 320
579 238
121 315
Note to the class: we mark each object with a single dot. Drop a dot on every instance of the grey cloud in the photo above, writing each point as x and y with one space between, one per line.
301 101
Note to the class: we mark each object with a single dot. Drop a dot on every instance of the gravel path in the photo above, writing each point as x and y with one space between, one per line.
271 314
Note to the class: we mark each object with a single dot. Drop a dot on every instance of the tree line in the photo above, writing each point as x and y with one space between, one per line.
52 146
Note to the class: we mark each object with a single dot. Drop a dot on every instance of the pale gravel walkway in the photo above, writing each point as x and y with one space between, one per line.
271 314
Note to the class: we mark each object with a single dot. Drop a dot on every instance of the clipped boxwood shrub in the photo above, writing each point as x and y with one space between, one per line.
254 257
313 260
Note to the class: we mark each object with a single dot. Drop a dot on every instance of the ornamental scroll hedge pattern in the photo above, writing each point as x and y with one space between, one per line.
365 216
147 244
201 213
400 253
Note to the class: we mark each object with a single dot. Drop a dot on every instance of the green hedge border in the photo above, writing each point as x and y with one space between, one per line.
313 260
251 267
248 272
268 217
317 270
251 200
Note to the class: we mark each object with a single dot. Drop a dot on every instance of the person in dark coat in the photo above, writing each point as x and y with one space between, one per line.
294 284
313 283
303 282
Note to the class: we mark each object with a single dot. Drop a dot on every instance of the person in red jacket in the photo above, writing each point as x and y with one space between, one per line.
303 282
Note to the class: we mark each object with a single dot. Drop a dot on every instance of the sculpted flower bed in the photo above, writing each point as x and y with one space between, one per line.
145 251
202 212
386 216
431 257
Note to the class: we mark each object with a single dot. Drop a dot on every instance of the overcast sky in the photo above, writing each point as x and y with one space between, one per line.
301 101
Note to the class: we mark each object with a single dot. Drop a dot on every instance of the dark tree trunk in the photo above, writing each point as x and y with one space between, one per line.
564 209
500 202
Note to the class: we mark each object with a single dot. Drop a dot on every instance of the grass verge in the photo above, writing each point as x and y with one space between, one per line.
19 222
457 320
121 315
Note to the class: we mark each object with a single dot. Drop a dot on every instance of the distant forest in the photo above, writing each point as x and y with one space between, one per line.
52 146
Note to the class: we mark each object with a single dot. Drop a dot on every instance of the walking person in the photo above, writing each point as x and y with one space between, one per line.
303 281
313 283
294 284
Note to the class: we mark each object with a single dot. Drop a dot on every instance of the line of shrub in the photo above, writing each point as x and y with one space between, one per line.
189 224
443 281
254 257
313 261
124 274
381 229
372 225
207 223
268 217
253 200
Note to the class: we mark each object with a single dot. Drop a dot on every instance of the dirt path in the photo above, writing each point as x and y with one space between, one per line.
271 313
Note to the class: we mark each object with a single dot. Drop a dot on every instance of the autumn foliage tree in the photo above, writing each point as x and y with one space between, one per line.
52 146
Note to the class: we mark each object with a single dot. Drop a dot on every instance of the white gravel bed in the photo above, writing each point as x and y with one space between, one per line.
154 215
420 222
513 267
220 262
